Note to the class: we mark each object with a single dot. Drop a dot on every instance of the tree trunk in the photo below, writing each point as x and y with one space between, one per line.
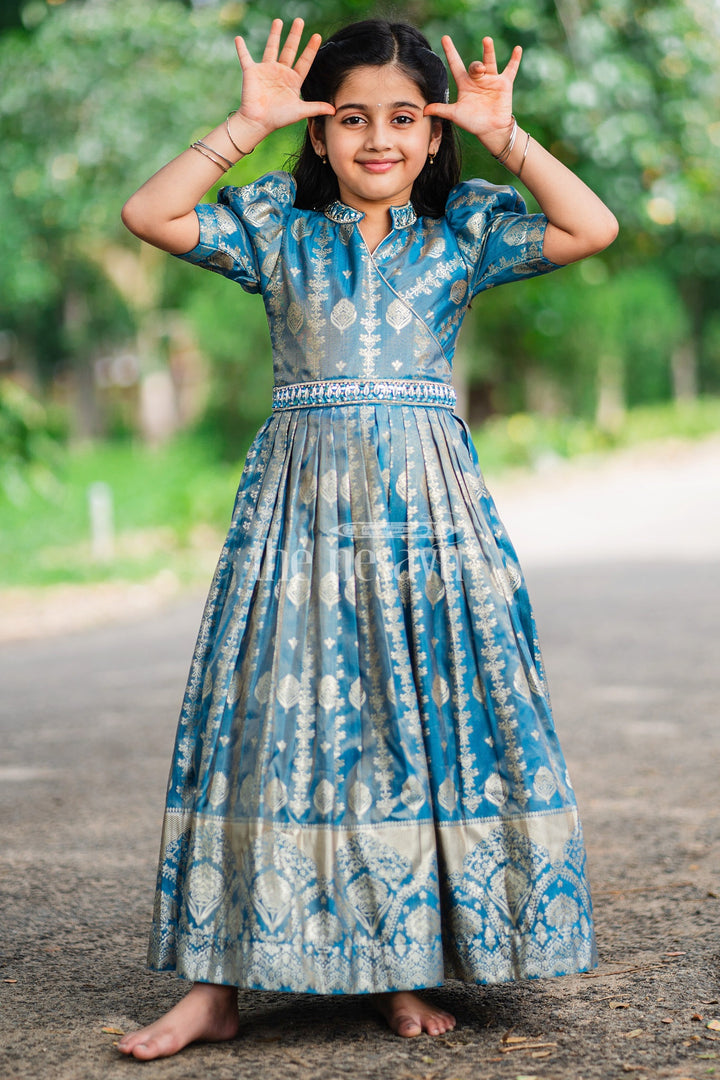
87 418
684 370
610 408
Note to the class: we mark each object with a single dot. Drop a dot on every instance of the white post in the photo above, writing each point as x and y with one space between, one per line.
102 532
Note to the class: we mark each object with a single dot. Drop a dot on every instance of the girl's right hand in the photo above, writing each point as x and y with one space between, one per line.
162 211
271 89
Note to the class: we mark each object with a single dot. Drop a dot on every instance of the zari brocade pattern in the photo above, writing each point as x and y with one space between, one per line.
367 791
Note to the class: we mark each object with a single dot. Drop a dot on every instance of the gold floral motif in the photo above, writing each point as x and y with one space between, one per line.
343 315
288 691
359 798
434 588
328 486
447 795
434 248
273 898
458 291
219 789
329 590
235 688
329 692
324 797
412 794
478 690
495 789
398 315
206 887
276 794
440 691
298 589
357 695
263 688
544 784
295 318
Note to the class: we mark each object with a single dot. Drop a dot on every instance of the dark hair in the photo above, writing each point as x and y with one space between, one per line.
373 43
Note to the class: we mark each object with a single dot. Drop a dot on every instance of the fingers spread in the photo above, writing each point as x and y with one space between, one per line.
489 55
454 59
243 52
292 42
307 56
514 62
273 42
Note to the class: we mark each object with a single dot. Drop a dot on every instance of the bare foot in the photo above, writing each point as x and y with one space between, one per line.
408 1015
207 1012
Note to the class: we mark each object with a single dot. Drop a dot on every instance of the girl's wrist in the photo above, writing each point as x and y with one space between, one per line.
225 146
243 135
497 142
513 152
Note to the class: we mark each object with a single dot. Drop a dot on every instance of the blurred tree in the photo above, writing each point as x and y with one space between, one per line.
626 91
117 91
10 15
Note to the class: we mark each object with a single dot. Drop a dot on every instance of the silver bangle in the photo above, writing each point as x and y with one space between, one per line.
509 145
209 153
527 144
244 153
217 153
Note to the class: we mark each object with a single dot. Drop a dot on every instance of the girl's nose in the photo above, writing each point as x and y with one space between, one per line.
378 136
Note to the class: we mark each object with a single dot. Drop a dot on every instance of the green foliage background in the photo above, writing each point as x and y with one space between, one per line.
95 96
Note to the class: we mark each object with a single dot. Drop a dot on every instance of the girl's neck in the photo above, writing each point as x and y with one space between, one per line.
376 224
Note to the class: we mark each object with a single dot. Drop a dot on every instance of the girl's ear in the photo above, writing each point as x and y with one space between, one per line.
316 130
436 136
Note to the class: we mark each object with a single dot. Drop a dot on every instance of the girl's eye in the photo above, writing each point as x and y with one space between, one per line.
403 119
353 121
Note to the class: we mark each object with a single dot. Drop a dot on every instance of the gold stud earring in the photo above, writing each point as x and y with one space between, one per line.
431 159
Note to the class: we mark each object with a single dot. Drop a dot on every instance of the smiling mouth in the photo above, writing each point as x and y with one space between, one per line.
378 166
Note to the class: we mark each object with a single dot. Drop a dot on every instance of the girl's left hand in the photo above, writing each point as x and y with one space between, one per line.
484 95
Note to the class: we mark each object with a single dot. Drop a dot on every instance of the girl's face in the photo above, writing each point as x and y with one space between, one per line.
378 141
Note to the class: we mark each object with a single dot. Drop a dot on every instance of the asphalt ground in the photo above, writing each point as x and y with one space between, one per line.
630 641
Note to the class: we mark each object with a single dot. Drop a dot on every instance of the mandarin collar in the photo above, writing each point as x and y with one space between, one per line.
402 216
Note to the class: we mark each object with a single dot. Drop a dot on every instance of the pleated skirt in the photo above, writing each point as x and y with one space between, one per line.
367 791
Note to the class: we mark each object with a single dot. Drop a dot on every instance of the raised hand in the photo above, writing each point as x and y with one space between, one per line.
271 88
484 95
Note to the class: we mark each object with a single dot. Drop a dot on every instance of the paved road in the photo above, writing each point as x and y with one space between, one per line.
86 726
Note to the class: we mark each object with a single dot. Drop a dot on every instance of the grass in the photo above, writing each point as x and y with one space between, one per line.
169 506
528 441
172 506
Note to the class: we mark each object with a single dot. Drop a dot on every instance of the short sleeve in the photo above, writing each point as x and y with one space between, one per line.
498 239
241 234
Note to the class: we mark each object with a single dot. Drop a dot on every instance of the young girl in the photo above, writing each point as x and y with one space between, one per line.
367 793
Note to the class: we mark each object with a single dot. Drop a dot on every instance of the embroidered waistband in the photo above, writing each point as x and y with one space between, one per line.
365 392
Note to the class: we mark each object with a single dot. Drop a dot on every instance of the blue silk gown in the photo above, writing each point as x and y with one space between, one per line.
367 791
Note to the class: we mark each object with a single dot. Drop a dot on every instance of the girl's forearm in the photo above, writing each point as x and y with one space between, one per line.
162 211
580 224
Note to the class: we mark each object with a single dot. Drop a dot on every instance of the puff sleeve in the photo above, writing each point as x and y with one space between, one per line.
241 234
498 240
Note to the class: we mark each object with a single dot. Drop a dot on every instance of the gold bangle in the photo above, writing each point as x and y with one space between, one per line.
210 156
245 153
527 144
